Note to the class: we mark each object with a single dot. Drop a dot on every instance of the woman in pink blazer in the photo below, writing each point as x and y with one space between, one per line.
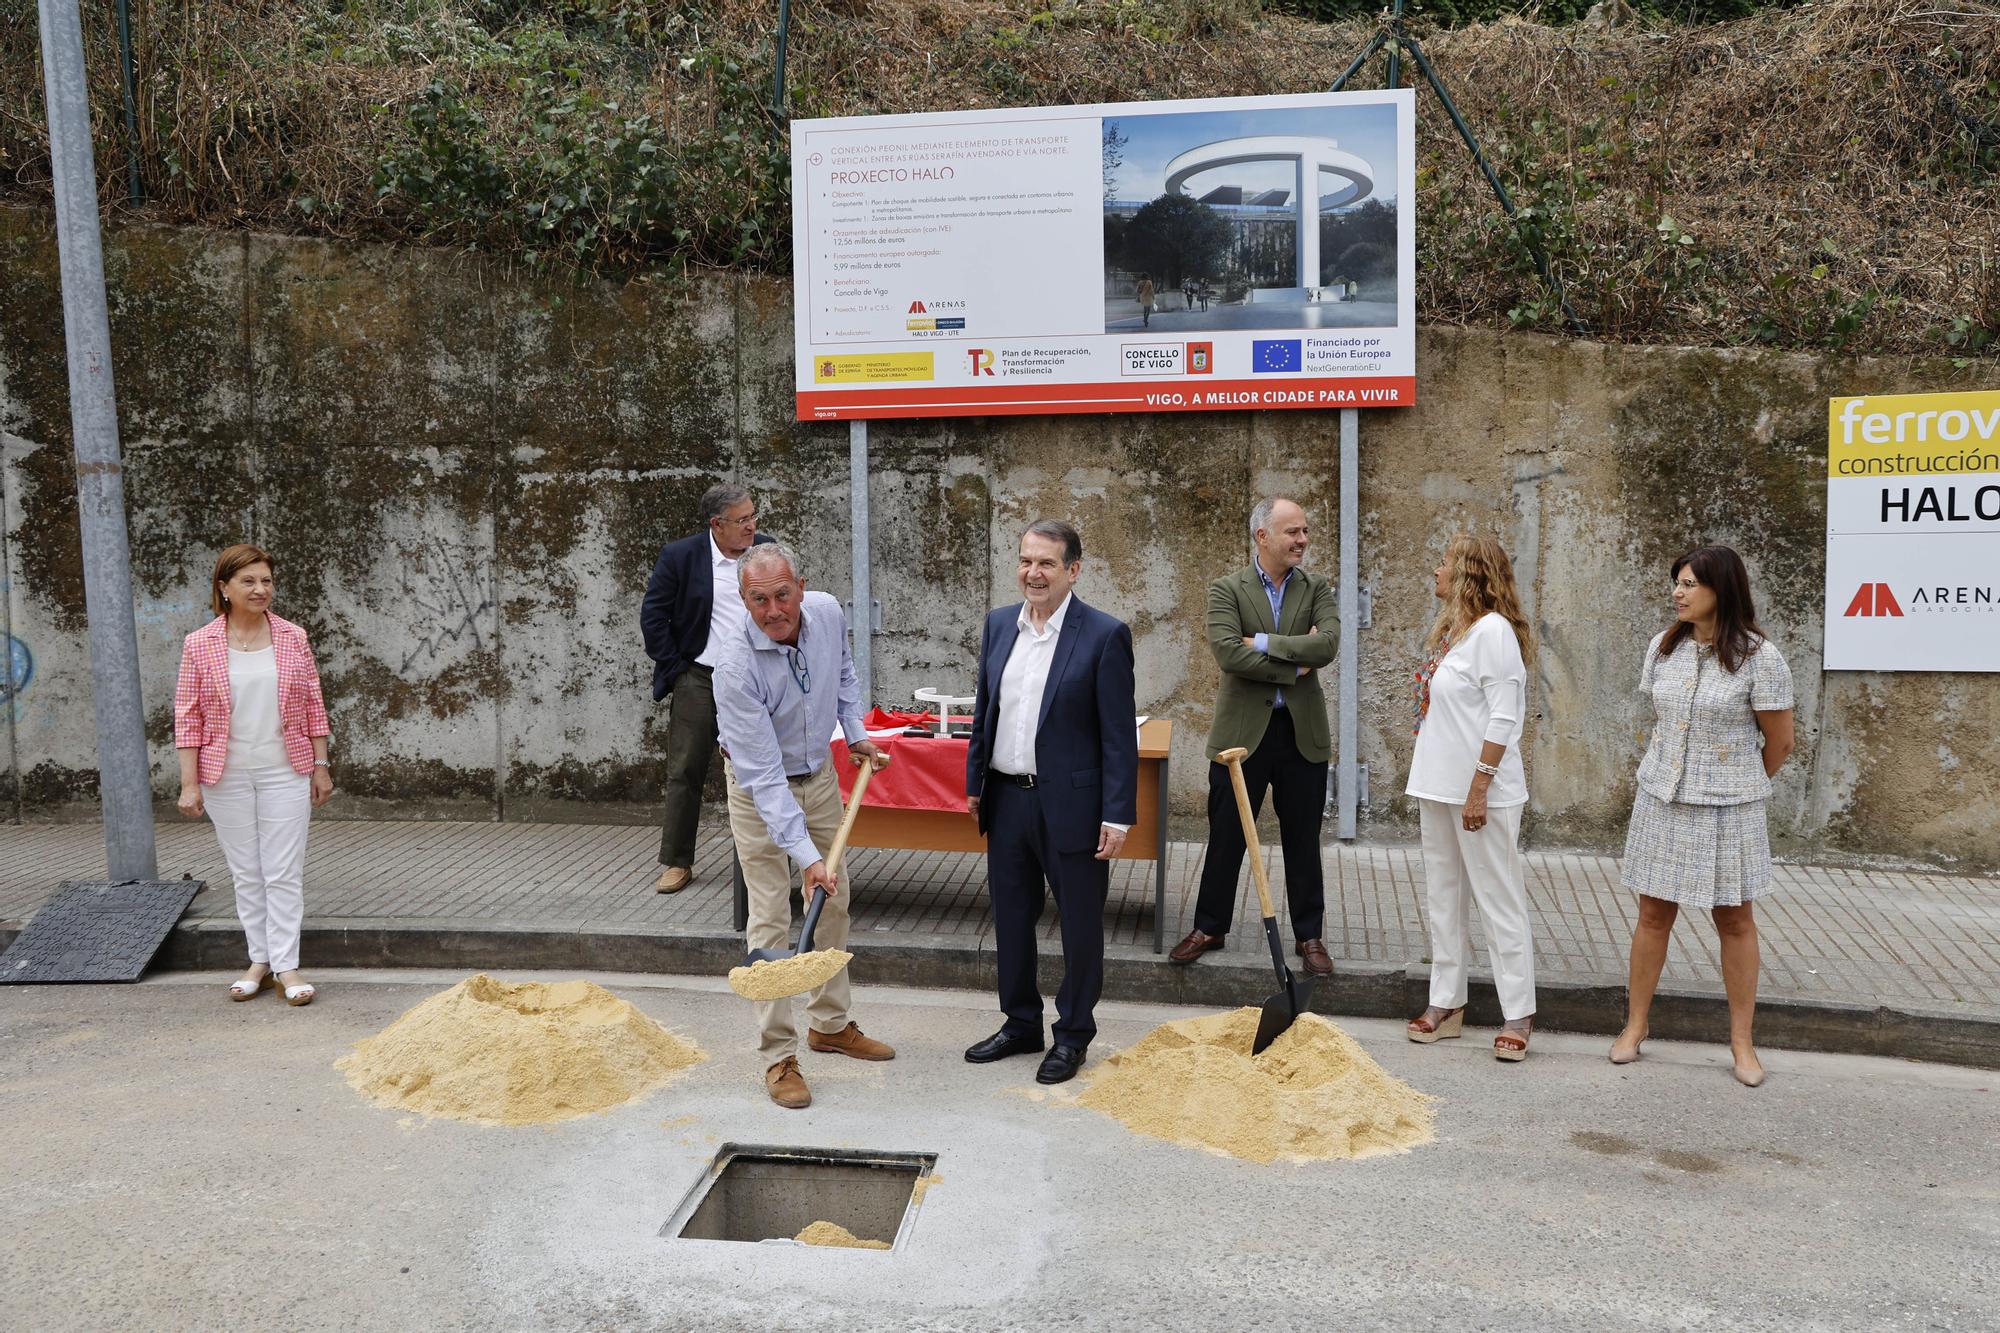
251 729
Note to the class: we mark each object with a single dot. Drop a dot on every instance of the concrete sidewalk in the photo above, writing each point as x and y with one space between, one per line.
1867 961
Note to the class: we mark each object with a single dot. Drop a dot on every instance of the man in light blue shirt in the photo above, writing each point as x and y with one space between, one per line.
783 682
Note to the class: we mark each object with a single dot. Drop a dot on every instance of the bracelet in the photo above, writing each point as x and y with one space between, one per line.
321 763
1490 770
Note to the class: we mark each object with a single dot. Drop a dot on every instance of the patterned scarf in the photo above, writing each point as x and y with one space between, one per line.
1423 687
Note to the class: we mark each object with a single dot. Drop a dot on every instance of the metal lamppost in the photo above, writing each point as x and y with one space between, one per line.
124 775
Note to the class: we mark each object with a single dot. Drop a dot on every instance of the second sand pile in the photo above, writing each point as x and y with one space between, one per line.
529 1053
838 1237
774 979
1313 1095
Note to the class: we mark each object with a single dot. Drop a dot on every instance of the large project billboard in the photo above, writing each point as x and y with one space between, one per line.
1227 253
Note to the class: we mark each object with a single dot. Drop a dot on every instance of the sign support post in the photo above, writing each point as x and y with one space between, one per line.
863 618
1347 774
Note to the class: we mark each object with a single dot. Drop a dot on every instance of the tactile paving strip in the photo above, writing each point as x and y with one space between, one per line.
97 931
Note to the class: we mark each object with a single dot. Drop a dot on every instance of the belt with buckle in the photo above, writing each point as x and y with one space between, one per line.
1025 781
801 777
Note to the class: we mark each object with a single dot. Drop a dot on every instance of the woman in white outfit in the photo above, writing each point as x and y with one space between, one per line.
1466 775
251 728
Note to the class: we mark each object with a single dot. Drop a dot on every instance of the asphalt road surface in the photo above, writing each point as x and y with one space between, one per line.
180 1162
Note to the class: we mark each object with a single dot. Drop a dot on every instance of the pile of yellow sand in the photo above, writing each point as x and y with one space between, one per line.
496 1053
1313 1094
838 1236
769 979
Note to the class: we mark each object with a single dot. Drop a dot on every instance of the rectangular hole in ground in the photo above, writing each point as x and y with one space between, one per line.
756 1192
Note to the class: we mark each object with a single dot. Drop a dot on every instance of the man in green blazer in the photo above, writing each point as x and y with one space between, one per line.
1271 627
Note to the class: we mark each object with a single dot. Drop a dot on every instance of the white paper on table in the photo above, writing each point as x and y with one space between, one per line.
887 733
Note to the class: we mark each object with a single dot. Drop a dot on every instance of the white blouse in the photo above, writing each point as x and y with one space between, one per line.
255 740
1479 694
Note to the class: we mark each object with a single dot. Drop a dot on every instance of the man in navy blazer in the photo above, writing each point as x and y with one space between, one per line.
1052 774
691 595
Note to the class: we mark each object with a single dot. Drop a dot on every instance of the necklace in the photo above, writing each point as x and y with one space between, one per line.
241 642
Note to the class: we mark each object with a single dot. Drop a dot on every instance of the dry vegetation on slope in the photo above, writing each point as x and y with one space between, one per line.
1817 176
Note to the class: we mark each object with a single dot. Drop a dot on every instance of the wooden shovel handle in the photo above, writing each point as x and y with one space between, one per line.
847 819
1234 758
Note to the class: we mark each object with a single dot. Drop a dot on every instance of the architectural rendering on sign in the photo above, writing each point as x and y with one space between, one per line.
1264 218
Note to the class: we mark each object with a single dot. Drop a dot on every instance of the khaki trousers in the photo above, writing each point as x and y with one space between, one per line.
767 881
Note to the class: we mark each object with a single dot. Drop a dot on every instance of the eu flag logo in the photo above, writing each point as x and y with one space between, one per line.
1268 354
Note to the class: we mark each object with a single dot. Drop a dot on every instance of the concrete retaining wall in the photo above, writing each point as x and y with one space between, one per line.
466 475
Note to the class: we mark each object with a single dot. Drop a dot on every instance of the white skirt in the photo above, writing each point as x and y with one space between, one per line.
1697 855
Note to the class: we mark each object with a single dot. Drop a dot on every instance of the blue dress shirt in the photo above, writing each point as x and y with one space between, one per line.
775 711
1276 592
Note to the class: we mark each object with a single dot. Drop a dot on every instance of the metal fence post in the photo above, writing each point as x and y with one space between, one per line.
778 74
129 80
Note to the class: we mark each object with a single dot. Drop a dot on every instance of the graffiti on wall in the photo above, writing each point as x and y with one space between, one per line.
450 586
20 670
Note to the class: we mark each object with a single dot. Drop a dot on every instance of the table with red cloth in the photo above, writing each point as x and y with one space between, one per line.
918 801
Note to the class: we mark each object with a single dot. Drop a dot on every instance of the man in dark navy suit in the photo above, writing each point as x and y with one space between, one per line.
1052 774
692 595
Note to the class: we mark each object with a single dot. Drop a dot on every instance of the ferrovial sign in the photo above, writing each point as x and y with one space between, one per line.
1913 533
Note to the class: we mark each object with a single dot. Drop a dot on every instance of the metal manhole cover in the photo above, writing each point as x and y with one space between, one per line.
97 931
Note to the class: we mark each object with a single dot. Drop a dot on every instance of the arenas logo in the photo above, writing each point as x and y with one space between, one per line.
1877 599
1873 599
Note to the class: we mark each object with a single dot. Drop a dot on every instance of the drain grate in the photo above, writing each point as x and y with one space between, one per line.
757 1192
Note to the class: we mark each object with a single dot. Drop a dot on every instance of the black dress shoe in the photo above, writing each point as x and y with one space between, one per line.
1060 1065
999 1046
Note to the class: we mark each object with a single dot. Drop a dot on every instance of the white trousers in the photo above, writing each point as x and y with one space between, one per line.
1486 866
260 818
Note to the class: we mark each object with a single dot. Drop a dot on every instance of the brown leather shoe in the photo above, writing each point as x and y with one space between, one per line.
787 1085
1317 963
850 1041
673 879
1194 946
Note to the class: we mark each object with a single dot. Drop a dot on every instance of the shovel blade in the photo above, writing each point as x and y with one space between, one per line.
1281 1011
805 936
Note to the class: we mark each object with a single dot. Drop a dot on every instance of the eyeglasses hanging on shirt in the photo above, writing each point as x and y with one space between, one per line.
801 673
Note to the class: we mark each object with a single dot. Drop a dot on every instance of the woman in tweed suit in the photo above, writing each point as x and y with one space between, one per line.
1722 710
251 729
